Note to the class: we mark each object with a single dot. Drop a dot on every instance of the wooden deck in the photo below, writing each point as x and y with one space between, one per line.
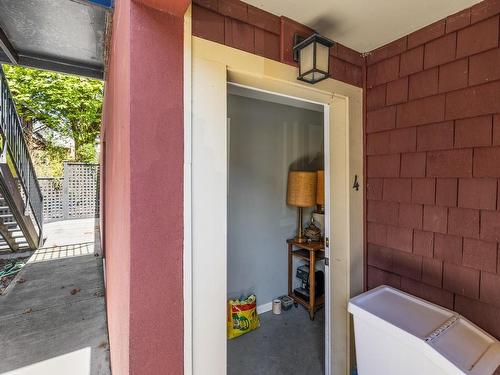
53 317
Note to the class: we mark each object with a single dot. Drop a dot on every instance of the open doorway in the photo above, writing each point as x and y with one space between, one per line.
276 144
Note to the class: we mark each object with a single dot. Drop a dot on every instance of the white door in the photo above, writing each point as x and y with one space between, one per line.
209 217
345 215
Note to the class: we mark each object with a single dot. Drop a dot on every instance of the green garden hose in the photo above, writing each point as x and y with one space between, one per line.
11 268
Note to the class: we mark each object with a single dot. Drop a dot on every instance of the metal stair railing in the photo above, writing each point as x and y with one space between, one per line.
15 144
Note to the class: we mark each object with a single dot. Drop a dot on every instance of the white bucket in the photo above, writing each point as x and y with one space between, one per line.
277 306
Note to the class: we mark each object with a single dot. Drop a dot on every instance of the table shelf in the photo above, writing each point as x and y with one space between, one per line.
320 301
311 252
304 254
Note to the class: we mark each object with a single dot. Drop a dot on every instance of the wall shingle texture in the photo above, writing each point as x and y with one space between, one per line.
242 26
442 85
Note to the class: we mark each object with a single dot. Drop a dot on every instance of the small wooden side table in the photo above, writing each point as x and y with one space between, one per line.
311 252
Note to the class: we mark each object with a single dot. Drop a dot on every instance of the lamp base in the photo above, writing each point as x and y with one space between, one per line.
299 237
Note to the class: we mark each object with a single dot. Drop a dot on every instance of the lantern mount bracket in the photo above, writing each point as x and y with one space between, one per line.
296 40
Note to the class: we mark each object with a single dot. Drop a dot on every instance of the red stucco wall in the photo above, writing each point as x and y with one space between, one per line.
115 133
433 164
143 191
157 152
175 8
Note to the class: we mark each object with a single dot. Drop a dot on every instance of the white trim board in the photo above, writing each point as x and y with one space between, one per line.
249 92
261 309
187 202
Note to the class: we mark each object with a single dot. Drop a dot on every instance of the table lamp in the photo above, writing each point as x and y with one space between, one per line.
301 194
320 192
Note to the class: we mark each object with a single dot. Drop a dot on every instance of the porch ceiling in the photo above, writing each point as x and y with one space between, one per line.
364 25
63 35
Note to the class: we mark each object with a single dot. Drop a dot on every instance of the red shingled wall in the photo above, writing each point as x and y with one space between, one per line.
433 164
242 26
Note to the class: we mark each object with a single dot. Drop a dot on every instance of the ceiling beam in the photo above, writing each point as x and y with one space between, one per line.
103 4
59 66
67 67
7 48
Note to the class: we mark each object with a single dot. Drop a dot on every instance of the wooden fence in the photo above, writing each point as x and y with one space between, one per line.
75 196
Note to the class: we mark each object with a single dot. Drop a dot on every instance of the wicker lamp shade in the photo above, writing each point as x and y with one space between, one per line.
320 190
301 189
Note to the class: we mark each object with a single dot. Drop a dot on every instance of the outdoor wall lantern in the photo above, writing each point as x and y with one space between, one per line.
313 56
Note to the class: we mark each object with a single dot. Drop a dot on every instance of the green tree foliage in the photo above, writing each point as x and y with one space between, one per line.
68 104
49 161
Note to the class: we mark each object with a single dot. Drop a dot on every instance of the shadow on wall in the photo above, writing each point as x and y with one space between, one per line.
305 163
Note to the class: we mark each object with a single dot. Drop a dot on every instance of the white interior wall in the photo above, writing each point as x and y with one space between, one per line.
266 140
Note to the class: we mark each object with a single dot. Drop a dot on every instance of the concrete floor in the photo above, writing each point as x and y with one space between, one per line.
52 316
287 344
69 232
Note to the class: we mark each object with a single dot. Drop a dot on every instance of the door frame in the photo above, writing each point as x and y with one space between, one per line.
211 67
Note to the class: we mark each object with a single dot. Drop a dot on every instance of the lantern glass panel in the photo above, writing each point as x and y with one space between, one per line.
307 58
314 76
308 77
322 53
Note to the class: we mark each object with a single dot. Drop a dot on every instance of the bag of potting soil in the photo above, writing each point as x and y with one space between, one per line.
242 316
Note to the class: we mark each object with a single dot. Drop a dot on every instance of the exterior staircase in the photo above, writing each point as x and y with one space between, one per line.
12 235
21 200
